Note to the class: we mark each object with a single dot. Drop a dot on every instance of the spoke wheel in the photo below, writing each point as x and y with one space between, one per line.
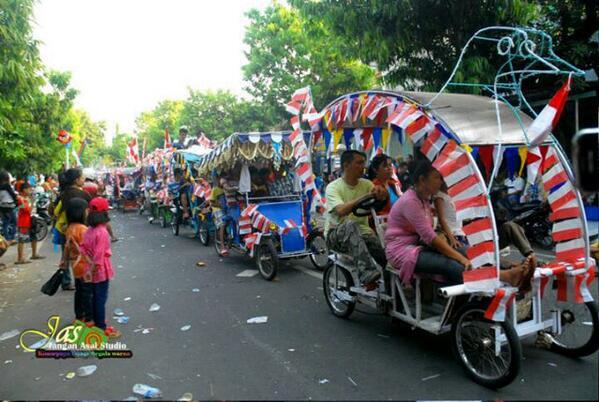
267 259
336 279
319 252
203 232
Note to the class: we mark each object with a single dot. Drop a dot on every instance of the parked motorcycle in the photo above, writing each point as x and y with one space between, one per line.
537 225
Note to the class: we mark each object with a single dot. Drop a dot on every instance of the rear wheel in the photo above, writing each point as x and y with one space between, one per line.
336 284
580 330
267 259
176 222
163 218
319 252
40 229
473 340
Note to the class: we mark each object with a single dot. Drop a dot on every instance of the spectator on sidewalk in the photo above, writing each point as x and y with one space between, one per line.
25 233
8 203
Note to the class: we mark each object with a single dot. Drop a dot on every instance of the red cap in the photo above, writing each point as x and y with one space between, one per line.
98 204
91 188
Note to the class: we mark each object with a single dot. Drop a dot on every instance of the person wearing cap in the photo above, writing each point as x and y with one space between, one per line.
99 270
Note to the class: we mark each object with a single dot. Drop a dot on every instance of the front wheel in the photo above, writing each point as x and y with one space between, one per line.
319 252
473 339
267 259
337 282
40 230
580 331
204 232
176 223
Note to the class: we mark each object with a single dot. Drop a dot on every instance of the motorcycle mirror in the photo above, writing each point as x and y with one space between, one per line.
585 155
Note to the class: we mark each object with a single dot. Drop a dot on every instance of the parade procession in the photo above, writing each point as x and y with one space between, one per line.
386 213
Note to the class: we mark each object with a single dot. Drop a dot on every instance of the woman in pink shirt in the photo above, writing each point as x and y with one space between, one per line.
96 246
412 245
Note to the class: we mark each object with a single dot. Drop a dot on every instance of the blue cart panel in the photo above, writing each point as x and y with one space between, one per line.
277 212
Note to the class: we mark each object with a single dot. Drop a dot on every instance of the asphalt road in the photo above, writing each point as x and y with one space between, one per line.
301 352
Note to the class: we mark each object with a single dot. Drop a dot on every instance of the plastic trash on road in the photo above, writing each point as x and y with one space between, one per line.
258 320
146 391
9 334
85 371
186 397
155 307
186 328
118 311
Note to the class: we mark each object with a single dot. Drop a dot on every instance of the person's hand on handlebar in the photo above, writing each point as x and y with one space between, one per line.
379 193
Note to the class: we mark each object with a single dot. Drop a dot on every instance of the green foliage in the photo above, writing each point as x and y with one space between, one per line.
417 42
287 52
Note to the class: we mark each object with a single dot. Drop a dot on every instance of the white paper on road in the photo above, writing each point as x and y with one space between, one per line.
195 290
186 328
85 371
248 273
127 299
258 320
323 381
155 307
9 334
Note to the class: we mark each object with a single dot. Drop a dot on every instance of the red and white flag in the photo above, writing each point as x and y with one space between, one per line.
481 254
433 144
498 307
561 196
581 287
418 128
554 176
566 211
371 103
133 151
550 159
534 159
479 231
542 125
382 103
300 95
567 230
295 123
251 240
471 208
484 279
356 104
399 109
467 188
570 250
295 137
455 169
167 139
304 171
293 107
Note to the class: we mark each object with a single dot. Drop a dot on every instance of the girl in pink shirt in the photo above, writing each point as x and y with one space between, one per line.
96 246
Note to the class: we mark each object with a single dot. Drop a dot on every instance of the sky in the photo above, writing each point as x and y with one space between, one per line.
127 55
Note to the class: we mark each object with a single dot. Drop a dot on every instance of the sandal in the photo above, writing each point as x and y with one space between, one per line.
22 262
38 257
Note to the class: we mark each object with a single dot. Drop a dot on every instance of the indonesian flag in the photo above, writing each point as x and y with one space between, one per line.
550 159
367 138
567 211
554 176
581 287
64 137
479 231
345 112
498 307
561 196
260 222
408 117
304 171
399 109
467 188
293 107
251 240
312 118
481 254
454 170
295 137
355 109
481 279
470 208
371 103
133 151
418 128
540 128
289 224
567 230
167 139
570 250
382 103
300 95
433 144
533 164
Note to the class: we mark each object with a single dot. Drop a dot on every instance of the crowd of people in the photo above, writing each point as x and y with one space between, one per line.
81 228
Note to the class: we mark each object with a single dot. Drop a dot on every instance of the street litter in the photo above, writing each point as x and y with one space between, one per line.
352 381
188 396
431 377
186 328
85 371
195 290
248 273
9 334
201 264
119 311
154 376
7 361
122 320
291 350
383 336
324 381
162 245
587 323
155 307
127 299
552 364
70 375
146 391
258 320
146 330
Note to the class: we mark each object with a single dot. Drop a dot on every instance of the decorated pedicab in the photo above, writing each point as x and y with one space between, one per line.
127 185
485 323
156 165
266 215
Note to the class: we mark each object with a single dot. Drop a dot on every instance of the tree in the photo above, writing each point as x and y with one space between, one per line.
151 124
417 42
287 52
